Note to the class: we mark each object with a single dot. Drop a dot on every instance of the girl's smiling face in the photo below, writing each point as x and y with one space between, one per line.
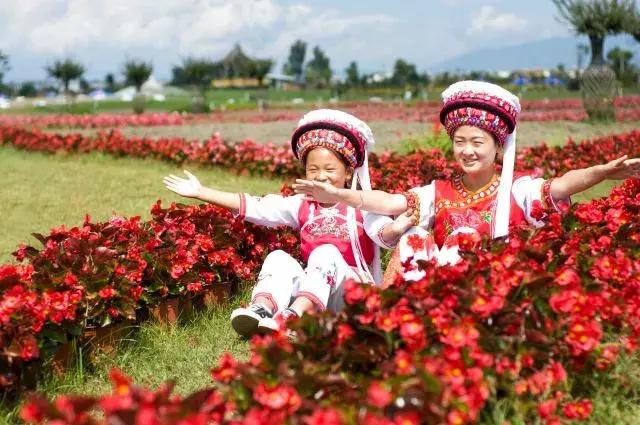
323 165
474 149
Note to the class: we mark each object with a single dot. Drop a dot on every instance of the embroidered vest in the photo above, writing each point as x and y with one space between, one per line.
457 208
328 225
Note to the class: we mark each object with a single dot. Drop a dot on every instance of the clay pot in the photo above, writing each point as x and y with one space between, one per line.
214 295
169 310
104 339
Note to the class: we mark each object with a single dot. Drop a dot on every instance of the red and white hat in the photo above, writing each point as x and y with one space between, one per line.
495 110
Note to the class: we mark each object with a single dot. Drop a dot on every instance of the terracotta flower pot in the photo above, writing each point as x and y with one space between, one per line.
169 310
63 359
104 339
215 295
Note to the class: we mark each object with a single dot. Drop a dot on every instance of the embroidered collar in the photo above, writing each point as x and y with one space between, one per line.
486 190
467 198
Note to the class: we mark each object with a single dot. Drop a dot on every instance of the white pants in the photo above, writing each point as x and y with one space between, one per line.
282 279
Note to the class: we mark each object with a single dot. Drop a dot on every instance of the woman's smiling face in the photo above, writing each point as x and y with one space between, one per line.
474 149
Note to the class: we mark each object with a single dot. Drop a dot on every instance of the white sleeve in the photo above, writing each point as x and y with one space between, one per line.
271 210
427 200
373 225
526 190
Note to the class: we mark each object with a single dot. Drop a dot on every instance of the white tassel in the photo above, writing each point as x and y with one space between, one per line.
503 207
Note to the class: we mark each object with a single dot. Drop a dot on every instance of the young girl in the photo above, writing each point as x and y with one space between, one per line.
337 241
480 119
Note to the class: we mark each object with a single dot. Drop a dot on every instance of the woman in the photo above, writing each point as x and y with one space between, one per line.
480 119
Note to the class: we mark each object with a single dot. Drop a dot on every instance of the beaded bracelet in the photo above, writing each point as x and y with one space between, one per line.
547 199
413 203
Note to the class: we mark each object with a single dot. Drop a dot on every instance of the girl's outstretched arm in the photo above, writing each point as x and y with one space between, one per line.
375 201
576 181
191 188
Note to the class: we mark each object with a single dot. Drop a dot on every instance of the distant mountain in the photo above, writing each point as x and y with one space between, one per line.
538 54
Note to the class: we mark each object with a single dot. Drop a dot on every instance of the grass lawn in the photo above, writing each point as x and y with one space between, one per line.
40 192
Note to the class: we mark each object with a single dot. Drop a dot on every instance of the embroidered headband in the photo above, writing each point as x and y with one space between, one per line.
332 140
356 139
480 104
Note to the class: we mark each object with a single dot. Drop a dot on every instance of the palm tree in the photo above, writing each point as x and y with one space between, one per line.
596 19
65 70
136 72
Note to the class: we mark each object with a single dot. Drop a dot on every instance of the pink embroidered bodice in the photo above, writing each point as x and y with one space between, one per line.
328 225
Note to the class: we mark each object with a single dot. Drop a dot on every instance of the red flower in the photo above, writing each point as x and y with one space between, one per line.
29 348
107 292
567 277
403 363
277 397
460 336
345 333
413 334
321 416
354 292
407 418
415 242
547 408
378 395
584 336
578 410
589 214
226 370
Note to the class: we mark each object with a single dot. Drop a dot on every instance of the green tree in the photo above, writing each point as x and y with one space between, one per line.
85 87
295 61
596 19
318 69
4 68
136 72
353 76
65 70
404 73
261 67
197 73
619 59
28 89
110 82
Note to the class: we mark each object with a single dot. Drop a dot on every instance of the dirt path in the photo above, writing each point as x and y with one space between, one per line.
387 133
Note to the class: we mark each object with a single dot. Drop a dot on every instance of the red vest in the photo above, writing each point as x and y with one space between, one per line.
328 225
456 207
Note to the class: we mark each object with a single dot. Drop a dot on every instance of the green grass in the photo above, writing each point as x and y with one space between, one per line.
41 191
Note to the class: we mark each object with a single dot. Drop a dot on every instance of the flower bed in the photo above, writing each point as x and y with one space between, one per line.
628 108
278 161
536 320
99 273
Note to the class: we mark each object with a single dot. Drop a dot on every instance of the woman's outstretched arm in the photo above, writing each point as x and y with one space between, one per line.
375 201
576 181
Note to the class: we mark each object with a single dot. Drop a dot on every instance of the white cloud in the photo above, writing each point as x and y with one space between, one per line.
181 27
489 20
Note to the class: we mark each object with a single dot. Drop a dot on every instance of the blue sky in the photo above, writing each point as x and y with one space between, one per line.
101 34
